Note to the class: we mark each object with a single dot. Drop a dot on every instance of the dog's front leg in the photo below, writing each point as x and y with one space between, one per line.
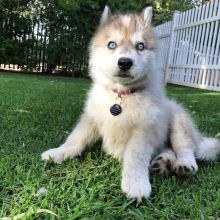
135 173
84 133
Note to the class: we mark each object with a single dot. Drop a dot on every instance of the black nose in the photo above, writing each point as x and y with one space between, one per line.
125 63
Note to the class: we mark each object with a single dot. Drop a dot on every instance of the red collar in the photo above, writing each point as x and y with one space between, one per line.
123 92
128 91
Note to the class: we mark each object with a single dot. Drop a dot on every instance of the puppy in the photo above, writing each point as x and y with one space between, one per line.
128 109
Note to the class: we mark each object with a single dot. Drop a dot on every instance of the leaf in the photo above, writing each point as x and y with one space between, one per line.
217 135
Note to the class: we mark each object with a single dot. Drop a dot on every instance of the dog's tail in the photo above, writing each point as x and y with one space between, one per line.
208 149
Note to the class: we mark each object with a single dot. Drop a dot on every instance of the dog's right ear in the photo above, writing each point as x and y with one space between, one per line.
106 14
147 14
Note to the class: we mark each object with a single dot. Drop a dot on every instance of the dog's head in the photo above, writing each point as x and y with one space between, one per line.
123 49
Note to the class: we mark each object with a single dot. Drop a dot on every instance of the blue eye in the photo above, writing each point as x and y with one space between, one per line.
111 45
140 46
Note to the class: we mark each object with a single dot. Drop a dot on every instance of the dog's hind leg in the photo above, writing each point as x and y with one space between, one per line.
84 133
163 163
184 140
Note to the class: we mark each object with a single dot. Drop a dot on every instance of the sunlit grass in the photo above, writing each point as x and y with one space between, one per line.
37 113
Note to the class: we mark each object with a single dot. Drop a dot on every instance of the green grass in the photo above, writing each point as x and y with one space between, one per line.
37 113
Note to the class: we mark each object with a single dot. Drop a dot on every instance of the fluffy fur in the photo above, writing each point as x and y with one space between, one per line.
148 118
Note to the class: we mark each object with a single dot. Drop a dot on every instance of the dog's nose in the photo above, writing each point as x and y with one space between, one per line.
125 63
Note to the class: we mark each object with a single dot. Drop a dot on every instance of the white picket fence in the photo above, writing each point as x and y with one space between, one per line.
190 47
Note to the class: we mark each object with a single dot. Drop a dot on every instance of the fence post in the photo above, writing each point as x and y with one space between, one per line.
171 44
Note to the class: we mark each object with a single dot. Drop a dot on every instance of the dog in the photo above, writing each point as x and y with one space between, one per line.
128 109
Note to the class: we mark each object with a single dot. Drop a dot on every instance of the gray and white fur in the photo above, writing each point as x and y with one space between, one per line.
148 117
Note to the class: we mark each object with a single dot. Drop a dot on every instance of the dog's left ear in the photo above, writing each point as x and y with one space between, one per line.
147 14
106 14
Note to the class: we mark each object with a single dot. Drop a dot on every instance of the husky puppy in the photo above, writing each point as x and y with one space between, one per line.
128 109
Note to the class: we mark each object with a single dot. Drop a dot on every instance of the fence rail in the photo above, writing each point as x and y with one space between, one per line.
190 47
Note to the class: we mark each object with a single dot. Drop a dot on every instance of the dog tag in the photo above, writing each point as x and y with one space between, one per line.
115 109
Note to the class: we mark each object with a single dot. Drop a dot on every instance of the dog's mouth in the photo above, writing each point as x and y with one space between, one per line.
124 74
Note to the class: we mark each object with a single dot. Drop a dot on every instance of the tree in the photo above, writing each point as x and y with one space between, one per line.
67 26
13 25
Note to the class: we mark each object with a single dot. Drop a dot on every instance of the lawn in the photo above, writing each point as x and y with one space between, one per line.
37 113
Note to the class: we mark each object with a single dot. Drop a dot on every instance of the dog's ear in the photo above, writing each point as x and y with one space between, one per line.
147 14
106 14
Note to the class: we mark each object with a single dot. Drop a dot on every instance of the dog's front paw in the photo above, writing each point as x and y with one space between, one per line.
56 154
185 166
136 187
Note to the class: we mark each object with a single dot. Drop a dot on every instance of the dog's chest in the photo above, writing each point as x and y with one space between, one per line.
117 130
128 117
114 130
